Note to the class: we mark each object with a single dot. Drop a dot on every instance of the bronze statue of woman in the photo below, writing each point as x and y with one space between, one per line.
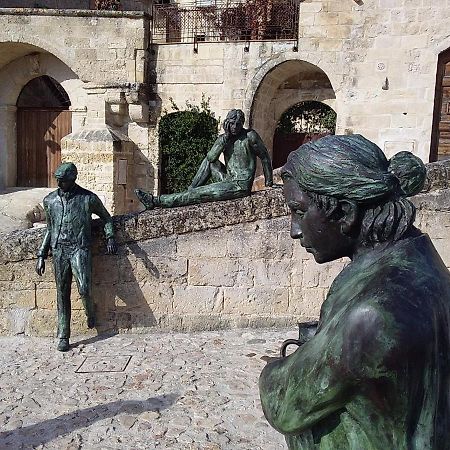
376 374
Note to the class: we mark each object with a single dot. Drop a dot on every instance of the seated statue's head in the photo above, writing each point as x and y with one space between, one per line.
344 195
234 122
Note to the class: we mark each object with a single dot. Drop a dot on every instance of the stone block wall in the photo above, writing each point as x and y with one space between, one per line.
379 55
99 46
99 58
218 265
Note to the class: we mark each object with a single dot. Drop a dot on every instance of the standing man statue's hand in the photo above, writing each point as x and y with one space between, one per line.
40 266
111 246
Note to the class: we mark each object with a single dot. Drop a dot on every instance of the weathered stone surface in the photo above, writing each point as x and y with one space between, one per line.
212 271
248 274
179 391
17 294
438 176
197 300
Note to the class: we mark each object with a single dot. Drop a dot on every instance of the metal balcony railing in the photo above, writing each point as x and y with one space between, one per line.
225 21
111 5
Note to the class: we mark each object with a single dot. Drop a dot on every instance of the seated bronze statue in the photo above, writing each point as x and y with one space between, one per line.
376 373
234 179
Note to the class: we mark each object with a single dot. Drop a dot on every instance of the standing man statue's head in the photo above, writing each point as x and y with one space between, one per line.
344 195
66 175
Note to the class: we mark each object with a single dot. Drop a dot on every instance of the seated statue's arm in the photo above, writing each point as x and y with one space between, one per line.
261 151
320 377
217 148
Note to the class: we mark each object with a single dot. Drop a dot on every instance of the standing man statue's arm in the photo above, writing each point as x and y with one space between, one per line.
42 253
98 208
261 151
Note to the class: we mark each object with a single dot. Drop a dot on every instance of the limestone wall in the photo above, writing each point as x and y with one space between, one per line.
99 58
379 55
224 264
99 46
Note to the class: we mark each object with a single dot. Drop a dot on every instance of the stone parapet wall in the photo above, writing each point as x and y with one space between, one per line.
218 265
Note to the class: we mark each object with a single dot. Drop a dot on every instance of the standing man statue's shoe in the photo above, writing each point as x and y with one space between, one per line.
240 148
69 212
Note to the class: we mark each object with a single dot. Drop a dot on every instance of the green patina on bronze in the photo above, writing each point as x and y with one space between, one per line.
240 148
375 376
69 212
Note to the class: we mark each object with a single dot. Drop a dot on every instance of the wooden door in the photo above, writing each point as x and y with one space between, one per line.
444 122
440 139
39 134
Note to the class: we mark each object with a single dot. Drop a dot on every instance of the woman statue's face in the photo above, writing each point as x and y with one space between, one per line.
320 235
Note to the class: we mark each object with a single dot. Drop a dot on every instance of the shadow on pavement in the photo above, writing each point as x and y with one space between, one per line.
91 340
40 433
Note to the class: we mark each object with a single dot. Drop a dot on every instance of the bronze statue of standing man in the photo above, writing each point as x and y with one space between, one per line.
69 211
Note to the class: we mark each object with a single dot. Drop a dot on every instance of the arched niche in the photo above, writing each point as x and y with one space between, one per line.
43 119
14 76
303 122
285 85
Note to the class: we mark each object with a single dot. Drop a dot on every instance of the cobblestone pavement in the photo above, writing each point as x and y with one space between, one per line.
194 391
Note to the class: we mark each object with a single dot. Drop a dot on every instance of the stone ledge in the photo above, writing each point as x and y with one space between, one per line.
437 200
438 176
267 204
72 12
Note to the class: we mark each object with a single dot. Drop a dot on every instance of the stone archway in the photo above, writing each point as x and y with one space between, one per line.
19 64
43 119
304 122
285 85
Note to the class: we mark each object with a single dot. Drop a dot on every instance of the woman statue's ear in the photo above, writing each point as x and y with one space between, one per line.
350 213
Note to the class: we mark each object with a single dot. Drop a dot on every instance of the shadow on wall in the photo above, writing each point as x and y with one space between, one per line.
117 289
132 290
40 433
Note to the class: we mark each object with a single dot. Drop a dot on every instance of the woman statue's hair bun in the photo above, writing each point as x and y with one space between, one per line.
410 171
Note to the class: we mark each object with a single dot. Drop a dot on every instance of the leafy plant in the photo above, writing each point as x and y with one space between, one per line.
308 117
184 138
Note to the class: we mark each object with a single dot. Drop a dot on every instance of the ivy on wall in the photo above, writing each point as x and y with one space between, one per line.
184 138
308 117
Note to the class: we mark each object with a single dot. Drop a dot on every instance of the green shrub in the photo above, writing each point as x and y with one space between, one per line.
184 138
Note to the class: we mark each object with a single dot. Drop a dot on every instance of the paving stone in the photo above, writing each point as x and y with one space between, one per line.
179 391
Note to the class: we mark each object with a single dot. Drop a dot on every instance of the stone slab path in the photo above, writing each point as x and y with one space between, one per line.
190 391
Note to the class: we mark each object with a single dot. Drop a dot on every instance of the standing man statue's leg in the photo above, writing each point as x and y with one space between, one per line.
63 278
81 262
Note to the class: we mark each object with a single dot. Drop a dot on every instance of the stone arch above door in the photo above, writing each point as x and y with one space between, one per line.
13 77
284 85
43 119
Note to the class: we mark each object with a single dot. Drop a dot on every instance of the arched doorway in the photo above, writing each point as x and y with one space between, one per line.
43 119
303 122
289 83
440 138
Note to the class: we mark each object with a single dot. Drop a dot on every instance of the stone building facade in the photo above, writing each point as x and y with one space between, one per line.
375 62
